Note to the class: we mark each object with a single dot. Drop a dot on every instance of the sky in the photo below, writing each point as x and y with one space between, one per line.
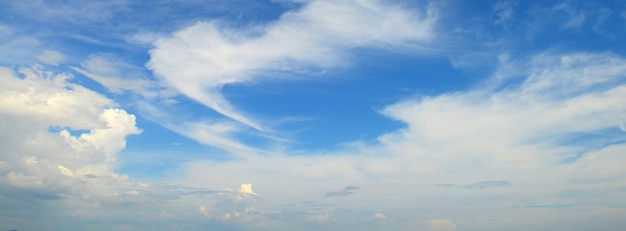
403 115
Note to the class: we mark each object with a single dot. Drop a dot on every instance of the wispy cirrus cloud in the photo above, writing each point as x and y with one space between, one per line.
201 59
116 75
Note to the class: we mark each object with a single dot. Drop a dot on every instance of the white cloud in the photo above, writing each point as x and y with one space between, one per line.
60 142
215 133
246 189
51 57
201 59
74 12
522 131
47 164
202 209
19 50
575 18
65 171
504 10
65 137
144 38
116 75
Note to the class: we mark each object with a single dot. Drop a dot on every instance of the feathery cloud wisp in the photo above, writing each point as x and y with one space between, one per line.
201 59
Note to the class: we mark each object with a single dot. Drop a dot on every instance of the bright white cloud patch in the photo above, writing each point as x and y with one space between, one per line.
59 140
246 189
201 59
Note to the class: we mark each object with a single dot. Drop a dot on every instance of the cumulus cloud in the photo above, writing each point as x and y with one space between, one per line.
56 134
201 59
60 144
246 189
495 131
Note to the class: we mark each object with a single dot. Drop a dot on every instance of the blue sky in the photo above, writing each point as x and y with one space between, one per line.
312 115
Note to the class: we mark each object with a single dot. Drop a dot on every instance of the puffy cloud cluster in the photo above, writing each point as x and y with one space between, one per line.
60 140
59 149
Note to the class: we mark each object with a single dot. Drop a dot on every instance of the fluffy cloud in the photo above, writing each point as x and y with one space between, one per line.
64 137
246 189
59 140
532 124
60 144
561 98
201 59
